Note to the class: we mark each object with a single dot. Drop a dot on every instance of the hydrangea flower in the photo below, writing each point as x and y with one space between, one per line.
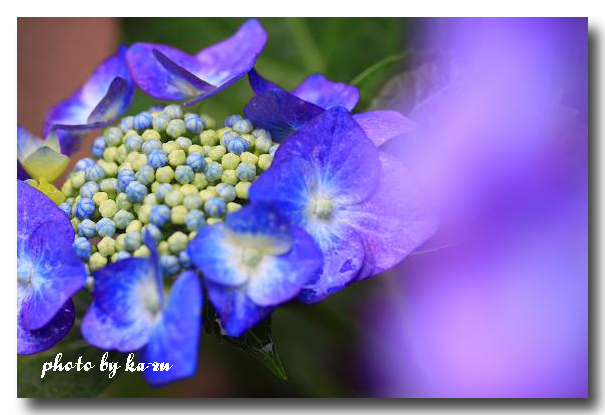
252 262
283 112
48 271
130 312
357 203
106 94
168 73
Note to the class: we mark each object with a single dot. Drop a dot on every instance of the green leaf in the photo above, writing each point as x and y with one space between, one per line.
65 384
256 342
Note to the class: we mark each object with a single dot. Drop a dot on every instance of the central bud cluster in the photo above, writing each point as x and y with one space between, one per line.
165 171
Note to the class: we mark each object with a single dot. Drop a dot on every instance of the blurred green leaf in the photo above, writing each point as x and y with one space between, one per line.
65 384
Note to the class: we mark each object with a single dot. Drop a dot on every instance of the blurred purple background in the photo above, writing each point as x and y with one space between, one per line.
499 308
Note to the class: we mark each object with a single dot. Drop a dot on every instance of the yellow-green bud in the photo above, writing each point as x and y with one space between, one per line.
135 225
208 138
164 174
177 242
177 157
150 134
188 188
241 190
212 221
209 122
125 165
232 207
67 188
163 248
194 148
143 213
141 251
99 197
217 152
121 154
174 198
200 181
150 199
170 146
206 193
229 177
110 154
192 235
222 131
110 168
108 208
132 156
230 161
120 242
178 214
139 162
123 202
247 157
78 179
136 207
154 186
75 222
249 138
264 161
96 261
107 246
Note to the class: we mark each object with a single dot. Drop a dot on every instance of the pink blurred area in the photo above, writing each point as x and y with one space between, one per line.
502 153
55 55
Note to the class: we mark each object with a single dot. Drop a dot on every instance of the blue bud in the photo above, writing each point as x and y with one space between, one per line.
170 264
65 207
122 255
184 259
153 231
127 123
125 177
157 158
145 175
213 171
85 208
94 173
226 191
136 191
84 163
150 145
232 119
82 248
122 218
195 219
162 190
88 189
183 174
237 145
215 206
133 143
106 227
159 215
243 126
87 228
173 111
196 161
132 240
194 123
113 136
246 171
142 120
227 137
160 122
98 146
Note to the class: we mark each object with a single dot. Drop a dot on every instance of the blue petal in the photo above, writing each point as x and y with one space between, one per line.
260 84
380 126
45 258
120 316
236 311
35 341
27 143
280 112
325 93
176 336
99 101
394 221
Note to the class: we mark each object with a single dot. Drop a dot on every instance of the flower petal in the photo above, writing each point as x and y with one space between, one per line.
27 143
236 311
260 84
394 221
99 101
45 163
176 336
48 268
35 341
382 125
321 91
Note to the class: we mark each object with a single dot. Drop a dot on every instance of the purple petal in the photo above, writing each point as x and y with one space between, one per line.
380 126
35 341
236 311
176 336
99 101
47 267
260 84
394 221
325 93
280 112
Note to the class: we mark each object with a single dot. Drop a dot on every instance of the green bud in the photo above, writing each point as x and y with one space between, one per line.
75 222
188 188
209 122
122 218
250 139
143 213
199 181
208 138
150 134
177 242
154 186
241 190
229 177
96 261
150 199
120 242
192 201
132 240
134 226
141 251
109 186
139 162
177 157
107 246
78 179
123 202
110 168
164 174
176 128
108 208
178 214
247 157
174 198
230 161
163 248
99 197
121 154
264 161
194 148
222 131
262 145
183 142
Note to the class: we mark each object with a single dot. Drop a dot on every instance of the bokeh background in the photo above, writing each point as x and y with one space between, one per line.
496 304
